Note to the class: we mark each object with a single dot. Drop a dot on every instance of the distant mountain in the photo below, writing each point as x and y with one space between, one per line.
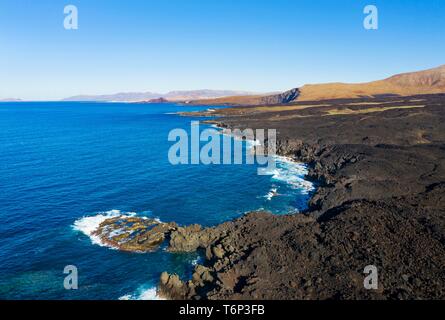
10 100
149 96
422 82
121 97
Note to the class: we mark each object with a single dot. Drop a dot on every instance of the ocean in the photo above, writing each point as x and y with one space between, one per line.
66 166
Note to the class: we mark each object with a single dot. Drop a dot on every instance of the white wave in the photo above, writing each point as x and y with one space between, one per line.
292 173
143 293
230 133
272 193
88 225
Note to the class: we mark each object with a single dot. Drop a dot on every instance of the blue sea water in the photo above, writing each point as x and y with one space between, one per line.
63 165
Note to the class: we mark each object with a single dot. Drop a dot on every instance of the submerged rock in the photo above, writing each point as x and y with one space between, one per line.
135 234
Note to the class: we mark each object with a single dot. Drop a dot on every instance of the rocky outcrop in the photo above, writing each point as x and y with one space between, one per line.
133 234
190 238
282 98
173 288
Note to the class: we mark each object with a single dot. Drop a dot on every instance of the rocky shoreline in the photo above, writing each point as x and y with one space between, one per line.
380 201
379 166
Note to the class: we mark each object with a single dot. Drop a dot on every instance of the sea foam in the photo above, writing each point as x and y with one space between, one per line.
292 173
89 224
143 293
272 193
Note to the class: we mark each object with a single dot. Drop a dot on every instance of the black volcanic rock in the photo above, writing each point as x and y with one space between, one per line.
133 234
282 98
380 201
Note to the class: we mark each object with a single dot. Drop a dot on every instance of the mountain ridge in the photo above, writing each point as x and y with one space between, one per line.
430 81
11 100
177 95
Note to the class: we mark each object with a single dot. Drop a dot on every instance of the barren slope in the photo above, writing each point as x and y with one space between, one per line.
430 81
422 82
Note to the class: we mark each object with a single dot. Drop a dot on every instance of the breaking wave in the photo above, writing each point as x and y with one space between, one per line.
143 293
292 173
89 224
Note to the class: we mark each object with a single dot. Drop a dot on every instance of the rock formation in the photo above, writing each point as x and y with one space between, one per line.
134 234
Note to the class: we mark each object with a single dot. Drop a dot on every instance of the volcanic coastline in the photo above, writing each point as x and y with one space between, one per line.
379 164
379 167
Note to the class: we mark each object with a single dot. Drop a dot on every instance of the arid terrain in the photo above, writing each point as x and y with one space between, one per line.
430 81
379 165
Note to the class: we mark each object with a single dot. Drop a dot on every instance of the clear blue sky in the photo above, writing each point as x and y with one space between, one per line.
162 45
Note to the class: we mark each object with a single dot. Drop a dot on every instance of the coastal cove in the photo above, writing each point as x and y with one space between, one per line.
69 166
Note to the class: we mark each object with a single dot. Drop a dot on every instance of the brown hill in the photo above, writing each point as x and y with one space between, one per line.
405 84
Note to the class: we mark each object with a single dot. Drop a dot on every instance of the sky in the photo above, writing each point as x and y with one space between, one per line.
253 45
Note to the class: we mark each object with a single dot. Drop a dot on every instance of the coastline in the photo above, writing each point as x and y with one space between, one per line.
99 227
211 240
231 158
354 219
